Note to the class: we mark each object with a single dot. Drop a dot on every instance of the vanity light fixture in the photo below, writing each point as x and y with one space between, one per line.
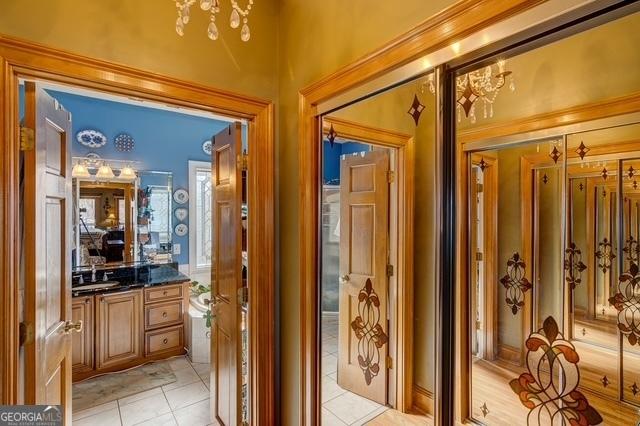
105 172
237 14
80 170
483 84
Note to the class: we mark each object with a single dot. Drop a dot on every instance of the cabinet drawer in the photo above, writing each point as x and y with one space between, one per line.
163 340
165 292
163 314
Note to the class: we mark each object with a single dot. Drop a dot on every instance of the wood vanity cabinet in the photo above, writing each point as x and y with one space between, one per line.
128 328
82 309
118 328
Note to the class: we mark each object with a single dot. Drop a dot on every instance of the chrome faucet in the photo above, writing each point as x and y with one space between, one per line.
93 273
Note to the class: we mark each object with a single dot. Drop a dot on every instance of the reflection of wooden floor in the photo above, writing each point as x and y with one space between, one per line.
491 386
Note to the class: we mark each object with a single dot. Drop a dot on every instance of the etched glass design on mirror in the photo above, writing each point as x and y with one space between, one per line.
378 215
552 202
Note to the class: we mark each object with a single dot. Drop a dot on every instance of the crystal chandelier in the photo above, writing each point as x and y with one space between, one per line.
237 14
483 85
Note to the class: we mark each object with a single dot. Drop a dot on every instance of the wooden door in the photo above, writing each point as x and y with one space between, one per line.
363 293
118 328
47 249
226 276
82 352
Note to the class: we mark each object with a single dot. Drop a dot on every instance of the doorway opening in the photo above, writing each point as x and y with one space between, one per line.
120 227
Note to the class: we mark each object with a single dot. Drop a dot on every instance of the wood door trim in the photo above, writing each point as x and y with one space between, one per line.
463 18
405 146
20 58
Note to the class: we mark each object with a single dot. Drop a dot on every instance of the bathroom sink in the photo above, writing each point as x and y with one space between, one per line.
96 286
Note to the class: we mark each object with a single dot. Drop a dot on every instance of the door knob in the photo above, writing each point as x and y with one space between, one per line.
70 326
345 278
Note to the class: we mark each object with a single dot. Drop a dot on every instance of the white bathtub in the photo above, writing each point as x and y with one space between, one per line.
199 334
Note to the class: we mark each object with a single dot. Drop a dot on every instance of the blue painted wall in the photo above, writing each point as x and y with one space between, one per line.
164 140
331 158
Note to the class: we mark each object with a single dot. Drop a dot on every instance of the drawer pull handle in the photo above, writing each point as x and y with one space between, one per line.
164 293
164 315
165 341
87 300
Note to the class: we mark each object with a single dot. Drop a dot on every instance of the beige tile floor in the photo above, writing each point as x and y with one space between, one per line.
184 402
339 406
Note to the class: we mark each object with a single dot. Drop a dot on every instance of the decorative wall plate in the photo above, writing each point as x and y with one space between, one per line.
207 146
181 196
181 230
91 138
181 213
124 142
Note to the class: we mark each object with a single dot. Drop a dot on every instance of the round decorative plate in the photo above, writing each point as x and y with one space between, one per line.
181 230
207 146
181 213
91 138
181 196
123 142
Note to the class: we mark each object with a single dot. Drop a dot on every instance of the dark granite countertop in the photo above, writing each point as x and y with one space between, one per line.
130 278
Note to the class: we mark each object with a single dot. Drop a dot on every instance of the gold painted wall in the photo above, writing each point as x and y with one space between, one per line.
141 34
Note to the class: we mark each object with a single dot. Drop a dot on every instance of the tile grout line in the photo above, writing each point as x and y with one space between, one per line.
119 412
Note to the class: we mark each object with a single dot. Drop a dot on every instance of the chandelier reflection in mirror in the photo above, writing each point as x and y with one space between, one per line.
237 14
483 85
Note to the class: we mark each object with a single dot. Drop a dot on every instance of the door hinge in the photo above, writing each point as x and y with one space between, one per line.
479 188
389 362
478 325
25 333
243 295
479 256
243 160
389 270
391 176
27 138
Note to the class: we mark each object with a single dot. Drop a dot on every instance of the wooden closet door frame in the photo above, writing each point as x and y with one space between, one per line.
400 386
20 59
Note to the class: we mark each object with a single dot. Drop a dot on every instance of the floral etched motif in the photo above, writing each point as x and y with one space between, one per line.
627 303
516 283
370 334
573 265
605 255
631 249
553 398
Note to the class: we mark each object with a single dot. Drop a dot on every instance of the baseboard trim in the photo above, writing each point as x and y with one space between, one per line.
509 354
422 400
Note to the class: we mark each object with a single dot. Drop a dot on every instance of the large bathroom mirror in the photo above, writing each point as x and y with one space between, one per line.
120 222
105 216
